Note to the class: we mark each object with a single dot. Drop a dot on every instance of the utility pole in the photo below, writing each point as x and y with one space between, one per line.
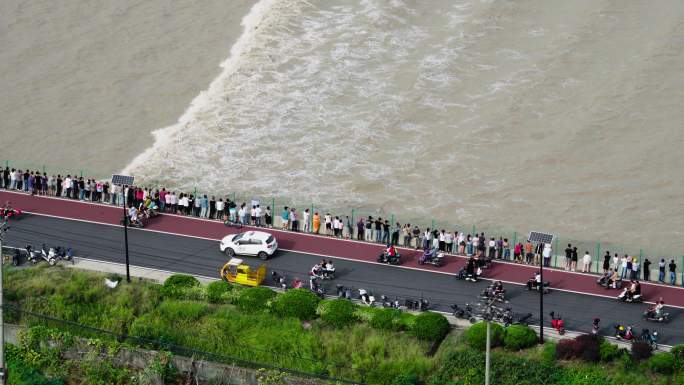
3 371
124 181
488 319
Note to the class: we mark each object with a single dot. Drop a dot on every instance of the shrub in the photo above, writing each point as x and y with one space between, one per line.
641 350
215 291
565 349
405 379
299 303
431 326
254 298
662 363
608 351
384 319
176 284
678 352
477 335
519 337
337 312
587 347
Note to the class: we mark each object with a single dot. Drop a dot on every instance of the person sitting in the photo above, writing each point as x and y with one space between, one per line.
133 214
631 291
297 284
498 288
613 279
317 270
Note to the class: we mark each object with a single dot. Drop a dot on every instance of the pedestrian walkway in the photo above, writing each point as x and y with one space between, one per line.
582 283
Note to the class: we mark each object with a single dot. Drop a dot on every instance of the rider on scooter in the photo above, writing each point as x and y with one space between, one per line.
614 278
657 310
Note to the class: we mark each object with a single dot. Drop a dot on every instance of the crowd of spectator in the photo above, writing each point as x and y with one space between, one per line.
367 228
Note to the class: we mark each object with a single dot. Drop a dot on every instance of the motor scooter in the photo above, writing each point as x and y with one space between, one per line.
432 257
595 326
625 296
651 315
650 337
557 323
623 332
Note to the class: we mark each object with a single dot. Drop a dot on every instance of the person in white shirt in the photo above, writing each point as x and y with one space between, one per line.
336 226
328 224
586 262
546 254
241 214
257 214
448 242
168 201
220 206
616 262
623 267
305 219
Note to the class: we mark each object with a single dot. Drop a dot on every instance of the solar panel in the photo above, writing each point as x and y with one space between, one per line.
537 237
122 180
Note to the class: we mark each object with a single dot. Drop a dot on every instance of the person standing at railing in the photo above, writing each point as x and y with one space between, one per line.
360 229
635 268
586 262
294 219
546 255
606 262
378 229
449 241
573 263
623 266
285 218
268 216
316 222
369 231
647 270
305 219
220 209
661 270
350 227
673 268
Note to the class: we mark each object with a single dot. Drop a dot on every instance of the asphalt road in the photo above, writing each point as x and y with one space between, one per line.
202 257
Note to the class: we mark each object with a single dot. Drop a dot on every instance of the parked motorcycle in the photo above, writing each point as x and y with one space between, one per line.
557 323
627 297
465 312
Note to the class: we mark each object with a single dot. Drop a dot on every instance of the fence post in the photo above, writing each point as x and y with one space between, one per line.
6 163
515 238
311 229
598 255
44 169
81 173
641 256
433 224
473 233
392 220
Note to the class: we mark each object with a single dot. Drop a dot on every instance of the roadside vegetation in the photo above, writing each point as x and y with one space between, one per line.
297 331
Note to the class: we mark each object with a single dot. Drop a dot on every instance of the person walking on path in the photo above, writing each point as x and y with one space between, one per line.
586 262
647 270
673 269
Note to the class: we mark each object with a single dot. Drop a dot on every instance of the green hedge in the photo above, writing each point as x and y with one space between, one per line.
176 285
384 319
609 352
298 303
518 337
254 298
663 363
477 335
216 291
430 326
337 312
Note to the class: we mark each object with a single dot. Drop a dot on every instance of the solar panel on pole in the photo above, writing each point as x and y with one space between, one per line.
537 237
122 180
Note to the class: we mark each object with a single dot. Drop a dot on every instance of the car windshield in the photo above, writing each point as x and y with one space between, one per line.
269 240
238 237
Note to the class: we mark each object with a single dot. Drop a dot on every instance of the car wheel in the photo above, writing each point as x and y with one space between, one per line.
229 252
262 255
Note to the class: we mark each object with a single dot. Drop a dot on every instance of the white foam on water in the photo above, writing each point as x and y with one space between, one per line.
430 109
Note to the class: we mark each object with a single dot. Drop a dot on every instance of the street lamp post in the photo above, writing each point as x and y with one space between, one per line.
124 181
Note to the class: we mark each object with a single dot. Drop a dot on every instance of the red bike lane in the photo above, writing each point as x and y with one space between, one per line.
327 246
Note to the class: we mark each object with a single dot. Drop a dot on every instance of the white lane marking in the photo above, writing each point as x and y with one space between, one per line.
331 256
